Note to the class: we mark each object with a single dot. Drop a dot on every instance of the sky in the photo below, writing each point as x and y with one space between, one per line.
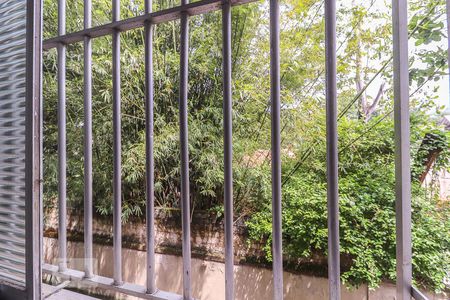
442 85
444 91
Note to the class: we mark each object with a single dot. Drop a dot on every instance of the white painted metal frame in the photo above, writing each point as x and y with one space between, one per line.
401 117
33 162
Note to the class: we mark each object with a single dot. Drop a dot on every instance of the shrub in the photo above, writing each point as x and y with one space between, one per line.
367 215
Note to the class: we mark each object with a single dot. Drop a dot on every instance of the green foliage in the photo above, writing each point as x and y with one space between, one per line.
366 158
367 212
205 112
429 59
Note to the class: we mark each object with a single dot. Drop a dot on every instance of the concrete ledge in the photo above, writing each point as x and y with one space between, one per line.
108 284
53 293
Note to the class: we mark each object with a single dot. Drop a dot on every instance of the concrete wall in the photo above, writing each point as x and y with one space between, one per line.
438 181
252 283
207 234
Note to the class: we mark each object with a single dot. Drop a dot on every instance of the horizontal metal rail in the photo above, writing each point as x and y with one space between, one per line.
418 294
108 284
170 14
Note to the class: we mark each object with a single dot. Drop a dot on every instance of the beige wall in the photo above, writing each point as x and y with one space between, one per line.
252 283
439 181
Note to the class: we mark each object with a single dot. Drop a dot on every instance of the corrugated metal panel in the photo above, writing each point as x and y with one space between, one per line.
12 140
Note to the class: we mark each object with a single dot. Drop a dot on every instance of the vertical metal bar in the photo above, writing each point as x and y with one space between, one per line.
88 268
117 152
276 153
33 149
62 213
332 152
228 149
402 149
150 176
447 2
184 144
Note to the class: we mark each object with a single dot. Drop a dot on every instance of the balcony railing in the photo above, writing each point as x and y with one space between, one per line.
183 13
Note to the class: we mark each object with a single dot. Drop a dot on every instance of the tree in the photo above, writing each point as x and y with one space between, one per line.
365 124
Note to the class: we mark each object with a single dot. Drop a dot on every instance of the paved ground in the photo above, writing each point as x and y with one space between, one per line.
63 294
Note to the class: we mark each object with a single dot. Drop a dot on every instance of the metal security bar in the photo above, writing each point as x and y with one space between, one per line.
184 144
228 150
62 160
117 150
114 28
277 251
402 149
332 151
183 12
162 16
88 268
150 187
447 7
